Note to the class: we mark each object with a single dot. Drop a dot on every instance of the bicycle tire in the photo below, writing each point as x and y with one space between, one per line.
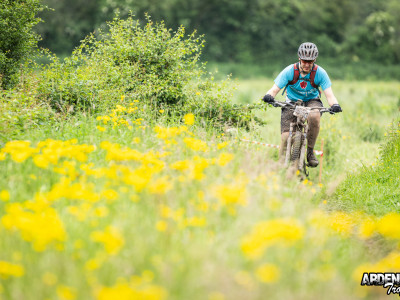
296 146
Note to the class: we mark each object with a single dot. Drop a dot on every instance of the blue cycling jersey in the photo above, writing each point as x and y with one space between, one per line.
302 89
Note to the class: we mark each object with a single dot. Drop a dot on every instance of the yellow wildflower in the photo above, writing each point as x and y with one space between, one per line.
268 273
160 186
19 150
268 233
180 165
224 158
189 119
9 269
195 222
367 228
342 222
161 226
125 291
109 194
111 238
40 227
101 211
195 144
231 194
389 226
4 195
222 145
66 293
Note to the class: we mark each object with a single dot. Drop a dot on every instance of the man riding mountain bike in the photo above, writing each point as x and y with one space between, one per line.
301 82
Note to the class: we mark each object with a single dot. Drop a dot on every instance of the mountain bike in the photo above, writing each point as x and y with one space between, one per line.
296 145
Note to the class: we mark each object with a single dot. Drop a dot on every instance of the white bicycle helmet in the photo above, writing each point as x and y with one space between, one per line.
308 51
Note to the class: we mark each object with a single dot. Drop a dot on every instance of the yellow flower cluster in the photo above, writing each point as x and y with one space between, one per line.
189 119
136 288
83 187
121 116
10 269
36 223
390 263
232 194
19 150
196 144
281 232
47 152
180 217
111 238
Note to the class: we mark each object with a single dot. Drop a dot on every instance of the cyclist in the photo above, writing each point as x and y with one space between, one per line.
301 82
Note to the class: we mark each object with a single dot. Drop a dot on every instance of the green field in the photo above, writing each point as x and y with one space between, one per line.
99 207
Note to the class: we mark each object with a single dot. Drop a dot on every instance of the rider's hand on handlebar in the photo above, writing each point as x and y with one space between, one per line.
335 108
268 99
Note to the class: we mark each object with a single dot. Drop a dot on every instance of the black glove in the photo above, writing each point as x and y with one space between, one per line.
268 99
336 108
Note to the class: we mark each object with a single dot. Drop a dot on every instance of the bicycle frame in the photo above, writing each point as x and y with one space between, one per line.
301 112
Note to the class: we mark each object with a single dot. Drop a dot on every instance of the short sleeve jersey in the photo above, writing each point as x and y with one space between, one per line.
302 89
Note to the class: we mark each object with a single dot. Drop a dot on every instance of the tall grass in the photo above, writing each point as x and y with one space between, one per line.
374 188
118 205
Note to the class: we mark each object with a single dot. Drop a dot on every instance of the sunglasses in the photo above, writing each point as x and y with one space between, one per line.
307 61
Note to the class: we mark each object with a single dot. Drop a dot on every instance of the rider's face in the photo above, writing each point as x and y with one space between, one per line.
306 65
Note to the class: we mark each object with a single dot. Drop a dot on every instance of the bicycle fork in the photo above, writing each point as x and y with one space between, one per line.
301 163
289 146
303 148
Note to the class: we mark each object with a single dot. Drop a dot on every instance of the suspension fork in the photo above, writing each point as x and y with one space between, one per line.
303 148
289 145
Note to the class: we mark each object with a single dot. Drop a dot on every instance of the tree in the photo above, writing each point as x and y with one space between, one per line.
17 39
66 23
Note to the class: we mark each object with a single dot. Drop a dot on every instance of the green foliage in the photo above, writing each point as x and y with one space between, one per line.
252 32
21 110
17 39
67 23
376 39
374 189
151 64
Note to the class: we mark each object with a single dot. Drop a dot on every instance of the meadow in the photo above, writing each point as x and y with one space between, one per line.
117 206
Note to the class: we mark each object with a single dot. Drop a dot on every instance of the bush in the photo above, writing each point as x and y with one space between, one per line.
17 40
21 109
152 64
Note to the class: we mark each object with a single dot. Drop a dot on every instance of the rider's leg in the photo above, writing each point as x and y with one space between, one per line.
286 118
283 146
313 130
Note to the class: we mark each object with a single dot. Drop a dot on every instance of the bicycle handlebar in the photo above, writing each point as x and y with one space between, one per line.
293 105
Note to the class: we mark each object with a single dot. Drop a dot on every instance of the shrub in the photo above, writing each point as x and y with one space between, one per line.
152 64
21 109
17 39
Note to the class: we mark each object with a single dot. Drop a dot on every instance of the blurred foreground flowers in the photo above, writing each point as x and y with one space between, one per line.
149 217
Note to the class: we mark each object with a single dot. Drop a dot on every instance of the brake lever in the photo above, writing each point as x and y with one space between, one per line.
274 104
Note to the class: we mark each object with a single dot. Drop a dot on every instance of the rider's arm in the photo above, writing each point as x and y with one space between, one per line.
330 97
274 90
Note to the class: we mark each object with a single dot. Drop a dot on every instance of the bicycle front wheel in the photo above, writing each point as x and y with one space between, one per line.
296 146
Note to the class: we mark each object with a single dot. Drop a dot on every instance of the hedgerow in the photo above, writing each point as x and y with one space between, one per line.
158 67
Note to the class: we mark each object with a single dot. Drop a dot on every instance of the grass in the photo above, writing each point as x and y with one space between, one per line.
377 190
183 211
